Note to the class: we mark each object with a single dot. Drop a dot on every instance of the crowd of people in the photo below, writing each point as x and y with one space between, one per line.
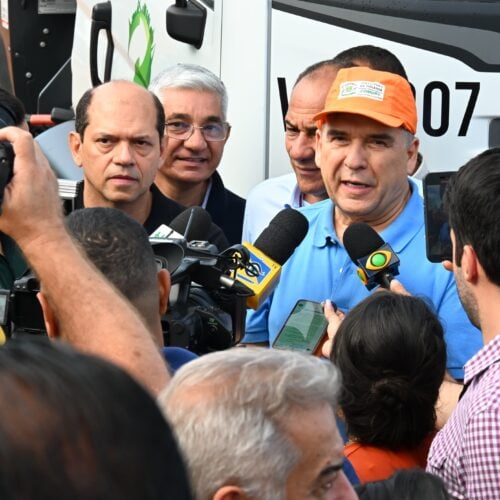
405 401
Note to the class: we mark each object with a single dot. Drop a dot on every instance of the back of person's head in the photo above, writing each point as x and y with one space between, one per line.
472 200
190 76
410 484
316 69
76 427
12 111
119 247
227 410
374 57
391 355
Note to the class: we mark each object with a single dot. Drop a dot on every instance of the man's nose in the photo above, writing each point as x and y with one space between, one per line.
123 153
196 140
355 156
302 147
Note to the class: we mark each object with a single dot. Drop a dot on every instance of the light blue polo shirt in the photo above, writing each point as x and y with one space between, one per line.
320 269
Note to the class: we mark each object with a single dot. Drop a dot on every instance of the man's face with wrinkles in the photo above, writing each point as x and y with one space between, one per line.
120 151
307 99
318 474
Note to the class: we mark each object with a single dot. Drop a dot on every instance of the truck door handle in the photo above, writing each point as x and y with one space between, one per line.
101 20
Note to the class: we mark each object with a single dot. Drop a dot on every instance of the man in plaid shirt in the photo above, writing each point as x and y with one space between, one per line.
466 452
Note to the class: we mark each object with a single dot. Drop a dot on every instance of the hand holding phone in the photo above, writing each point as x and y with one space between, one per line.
437 229
334 318
305 329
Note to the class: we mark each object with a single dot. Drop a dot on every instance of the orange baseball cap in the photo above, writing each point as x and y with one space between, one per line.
382 96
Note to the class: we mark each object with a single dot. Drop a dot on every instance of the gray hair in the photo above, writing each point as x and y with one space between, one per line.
408 137
228 410
190 76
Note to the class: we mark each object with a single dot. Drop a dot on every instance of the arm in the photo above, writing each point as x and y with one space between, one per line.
481 454
92 314
449 392
256 330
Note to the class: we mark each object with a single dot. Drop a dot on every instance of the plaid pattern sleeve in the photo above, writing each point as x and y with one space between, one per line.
481 455
466 452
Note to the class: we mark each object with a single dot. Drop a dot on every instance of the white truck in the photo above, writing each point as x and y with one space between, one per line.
258 47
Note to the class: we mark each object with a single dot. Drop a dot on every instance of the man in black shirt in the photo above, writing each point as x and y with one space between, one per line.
120 148
195 103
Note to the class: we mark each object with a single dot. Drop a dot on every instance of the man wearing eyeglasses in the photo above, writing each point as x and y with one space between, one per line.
119 143
195 104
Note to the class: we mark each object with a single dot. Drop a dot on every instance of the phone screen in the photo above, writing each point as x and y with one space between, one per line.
437 229
304 329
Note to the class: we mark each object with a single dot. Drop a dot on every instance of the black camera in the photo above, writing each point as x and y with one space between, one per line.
20 311
203 314
6 165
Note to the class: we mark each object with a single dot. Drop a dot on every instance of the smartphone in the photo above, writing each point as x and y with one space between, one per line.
437 229
304 330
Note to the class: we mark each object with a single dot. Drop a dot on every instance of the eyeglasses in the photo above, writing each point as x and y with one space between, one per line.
183 130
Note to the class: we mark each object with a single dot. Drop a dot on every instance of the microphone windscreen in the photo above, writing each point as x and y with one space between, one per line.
283 234
171 252
361 240
193 223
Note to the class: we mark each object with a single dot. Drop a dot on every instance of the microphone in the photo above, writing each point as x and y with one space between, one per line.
376 260
270 251
184 238
194 223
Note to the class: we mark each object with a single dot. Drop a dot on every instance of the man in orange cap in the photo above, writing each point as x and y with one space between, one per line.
365 147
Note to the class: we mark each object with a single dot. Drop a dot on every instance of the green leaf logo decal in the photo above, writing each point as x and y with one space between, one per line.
142 69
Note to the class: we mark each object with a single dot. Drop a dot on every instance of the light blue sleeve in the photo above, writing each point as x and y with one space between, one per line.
463 339
257 324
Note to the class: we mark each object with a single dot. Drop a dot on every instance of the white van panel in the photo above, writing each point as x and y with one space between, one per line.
450 58
311 41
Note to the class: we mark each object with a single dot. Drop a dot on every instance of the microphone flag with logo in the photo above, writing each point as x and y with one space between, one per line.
376 260
270 251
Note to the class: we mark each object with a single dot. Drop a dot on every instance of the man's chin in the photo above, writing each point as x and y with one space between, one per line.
123 198
313 190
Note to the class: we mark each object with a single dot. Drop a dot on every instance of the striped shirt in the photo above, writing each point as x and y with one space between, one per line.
466 452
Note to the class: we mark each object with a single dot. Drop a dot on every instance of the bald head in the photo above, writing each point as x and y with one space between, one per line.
112 94
118 143
307 99
311 88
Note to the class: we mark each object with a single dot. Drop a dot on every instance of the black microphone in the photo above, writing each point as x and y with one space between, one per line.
376 260
270 251
194 223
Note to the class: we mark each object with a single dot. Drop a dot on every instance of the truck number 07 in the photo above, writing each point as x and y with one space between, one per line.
434 89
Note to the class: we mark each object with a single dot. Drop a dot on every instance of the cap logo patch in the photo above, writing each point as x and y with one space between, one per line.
362 88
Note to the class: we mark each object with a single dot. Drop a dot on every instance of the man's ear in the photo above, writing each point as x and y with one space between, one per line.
317 154
411 164
49 318
230 493
75 146
228 134
163 149
470 264
163 289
